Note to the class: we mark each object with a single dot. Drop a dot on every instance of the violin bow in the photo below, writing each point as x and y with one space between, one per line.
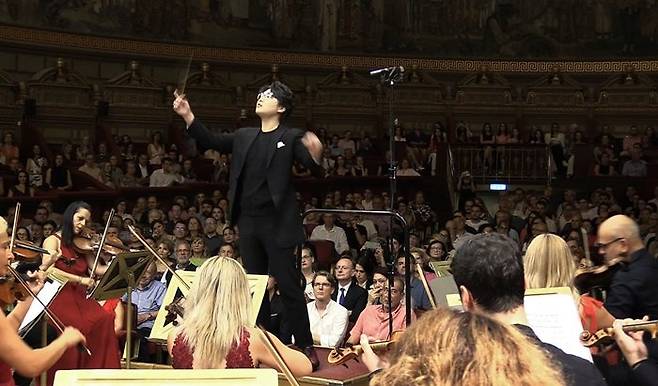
428 290
56 321
158 257
278 358
14 226
100 246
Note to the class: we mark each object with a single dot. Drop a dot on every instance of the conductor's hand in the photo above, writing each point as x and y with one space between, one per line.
313 145
72 337
182 108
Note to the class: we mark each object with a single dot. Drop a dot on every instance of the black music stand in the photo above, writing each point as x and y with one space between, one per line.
121 276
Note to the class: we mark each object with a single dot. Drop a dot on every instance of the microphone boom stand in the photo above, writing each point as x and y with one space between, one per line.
391 79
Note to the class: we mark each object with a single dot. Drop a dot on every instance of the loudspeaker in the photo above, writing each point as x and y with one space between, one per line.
103 109
30 107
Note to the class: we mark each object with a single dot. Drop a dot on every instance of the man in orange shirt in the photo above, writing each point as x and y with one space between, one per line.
373 321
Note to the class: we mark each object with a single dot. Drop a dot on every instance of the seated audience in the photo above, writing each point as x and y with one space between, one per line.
166 176
308 270
636 166
22 187
330 231
183 263
147 297
220 297
59 177
91 168
327 319
419 298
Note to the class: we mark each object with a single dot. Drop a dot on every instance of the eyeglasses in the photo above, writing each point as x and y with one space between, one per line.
266 94
605 245
320 285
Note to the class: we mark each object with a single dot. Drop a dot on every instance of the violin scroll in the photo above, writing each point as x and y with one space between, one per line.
341 355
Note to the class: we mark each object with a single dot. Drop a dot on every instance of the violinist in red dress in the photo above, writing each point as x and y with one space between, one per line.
71 304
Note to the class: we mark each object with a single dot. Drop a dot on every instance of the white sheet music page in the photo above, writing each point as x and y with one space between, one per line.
554 318
46 295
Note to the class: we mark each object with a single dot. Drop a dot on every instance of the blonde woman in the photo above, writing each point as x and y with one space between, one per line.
466 349
216 332
548 263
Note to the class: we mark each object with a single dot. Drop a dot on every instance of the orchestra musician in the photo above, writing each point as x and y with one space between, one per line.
71 304
14 353
633 291
216 331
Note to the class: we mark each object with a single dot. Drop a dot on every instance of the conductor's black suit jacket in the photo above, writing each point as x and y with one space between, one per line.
288 147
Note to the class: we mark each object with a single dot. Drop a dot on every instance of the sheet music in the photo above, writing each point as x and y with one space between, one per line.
554 318
46 295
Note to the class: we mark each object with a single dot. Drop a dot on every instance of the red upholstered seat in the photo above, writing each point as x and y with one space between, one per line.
325 253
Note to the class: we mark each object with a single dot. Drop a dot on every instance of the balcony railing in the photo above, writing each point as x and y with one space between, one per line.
503 163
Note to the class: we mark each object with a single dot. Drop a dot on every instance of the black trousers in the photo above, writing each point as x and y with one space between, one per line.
262 255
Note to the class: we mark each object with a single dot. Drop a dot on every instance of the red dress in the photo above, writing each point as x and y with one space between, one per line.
238 357
75 310
6 376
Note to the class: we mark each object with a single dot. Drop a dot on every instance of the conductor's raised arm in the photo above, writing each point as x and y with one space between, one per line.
195 129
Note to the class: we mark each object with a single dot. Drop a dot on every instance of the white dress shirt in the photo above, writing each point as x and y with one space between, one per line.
335 234
328 327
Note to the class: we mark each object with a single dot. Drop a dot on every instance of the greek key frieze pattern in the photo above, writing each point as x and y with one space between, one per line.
62 40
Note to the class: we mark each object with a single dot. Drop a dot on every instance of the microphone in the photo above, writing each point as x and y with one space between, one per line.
387 70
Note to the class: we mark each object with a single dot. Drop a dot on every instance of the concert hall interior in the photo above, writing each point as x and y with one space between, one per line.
315 192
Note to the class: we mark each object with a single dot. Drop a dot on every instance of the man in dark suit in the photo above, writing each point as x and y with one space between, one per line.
349 294
262 198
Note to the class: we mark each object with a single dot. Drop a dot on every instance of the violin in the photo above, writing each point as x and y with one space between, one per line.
597 279
11 291
340 355
27 251
606 336
88 241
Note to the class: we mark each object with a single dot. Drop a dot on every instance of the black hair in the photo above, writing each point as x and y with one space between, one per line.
283 95
67 221
491 268
50 222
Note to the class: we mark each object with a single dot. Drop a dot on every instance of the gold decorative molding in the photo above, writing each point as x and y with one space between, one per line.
109 45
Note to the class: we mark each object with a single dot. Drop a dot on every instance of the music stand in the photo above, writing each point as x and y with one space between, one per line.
120 278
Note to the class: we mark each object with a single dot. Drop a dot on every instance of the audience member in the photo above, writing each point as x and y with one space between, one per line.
373 321
331 232
328 319
349 294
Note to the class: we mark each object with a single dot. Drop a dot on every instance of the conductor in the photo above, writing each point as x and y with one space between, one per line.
262 198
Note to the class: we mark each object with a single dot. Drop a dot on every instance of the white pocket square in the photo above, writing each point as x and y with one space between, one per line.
280 144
